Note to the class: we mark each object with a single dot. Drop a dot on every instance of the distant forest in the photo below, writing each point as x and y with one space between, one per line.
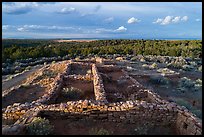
15 49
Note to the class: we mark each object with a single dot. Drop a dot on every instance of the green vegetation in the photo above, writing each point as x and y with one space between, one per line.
200 68
39 126
186 84
23 49
102 131
72 93
159 80
166 71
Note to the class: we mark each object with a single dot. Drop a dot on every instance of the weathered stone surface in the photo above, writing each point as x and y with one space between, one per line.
158 111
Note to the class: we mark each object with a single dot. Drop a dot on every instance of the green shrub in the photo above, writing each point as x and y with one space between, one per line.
193 63
39 126
129 68
72 93
199 82
145 66
200 68
10 77
153 66
166 71
178 63
28 68
187 67
102 131
53 62
186 84
159 80
142 60
133 59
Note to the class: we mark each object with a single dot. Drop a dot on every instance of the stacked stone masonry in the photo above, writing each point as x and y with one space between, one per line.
156 110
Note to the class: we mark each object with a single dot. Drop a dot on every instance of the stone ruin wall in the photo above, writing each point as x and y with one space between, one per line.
99 90
157 112
188 124
127 112
15 111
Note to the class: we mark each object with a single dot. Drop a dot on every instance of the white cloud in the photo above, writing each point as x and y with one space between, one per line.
121 29
197 20
104 30
109 20
167 20
67 10
170 19
39 27
158 21
176 19
21 29
133 20
185 18
18 7
5 27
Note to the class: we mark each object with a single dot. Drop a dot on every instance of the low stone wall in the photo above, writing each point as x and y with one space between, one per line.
188 124
154 97
155 111
129 111
98 85
56 88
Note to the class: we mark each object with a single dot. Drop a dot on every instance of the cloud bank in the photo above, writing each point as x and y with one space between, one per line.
170 19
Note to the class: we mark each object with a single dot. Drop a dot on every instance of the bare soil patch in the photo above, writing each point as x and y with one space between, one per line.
23 94
117 86
86 87
79 69
170 92
18 79
64 126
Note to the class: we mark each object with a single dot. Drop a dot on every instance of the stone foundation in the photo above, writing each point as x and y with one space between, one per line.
144 106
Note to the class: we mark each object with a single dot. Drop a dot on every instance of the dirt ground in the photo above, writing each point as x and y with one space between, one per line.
193 101
23 94
79 69
83 127
85 86
18 79
116 86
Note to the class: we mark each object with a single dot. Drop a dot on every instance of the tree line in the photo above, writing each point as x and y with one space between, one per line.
22 49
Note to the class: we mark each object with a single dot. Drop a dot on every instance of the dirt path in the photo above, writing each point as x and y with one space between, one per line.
18 79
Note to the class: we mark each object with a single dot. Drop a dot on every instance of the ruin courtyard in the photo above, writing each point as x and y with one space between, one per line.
109 98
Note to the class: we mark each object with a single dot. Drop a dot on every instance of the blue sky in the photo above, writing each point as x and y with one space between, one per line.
102 20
